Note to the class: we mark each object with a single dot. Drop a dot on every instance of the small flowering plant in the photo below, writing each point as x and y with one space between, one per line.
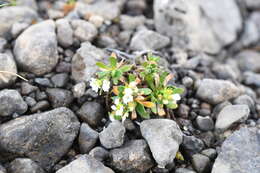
140 89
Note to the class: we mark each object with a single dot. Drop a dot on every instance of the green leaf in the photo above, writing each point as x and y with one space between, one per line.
131 78
116 117
115 81
116 74
141 111
150 81
145 91
113 62
102 74
178 90
125 68
154 110
172 105
121 89
102 65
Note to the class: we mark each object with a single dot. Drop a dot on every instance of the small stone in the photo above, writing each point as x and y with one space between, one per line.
85 163
35 49
30 101
84 30
184 170
160 134
64 32
113 135
245 100
60 80
11 102
252 79
134 156
41 95
96 20
210 153
215 91
99 153
27 88
55 14
131 22
183 111
231 114
87 138
200 163
249 61
91 113
45 82
40 106
218 108
79 89
187 81
18 28
63 67
3 44
148 40
192 145
23 165
204 123
105 41
225 71
59 97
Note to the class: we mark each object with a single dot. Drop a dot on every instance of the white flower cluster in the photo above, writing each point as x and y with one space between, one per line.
97 84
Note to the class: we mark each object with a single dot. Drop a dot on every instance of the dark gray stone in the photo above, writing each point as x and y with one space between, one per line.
134 156
239 153
43 137
160 134
60 80
27 88
204 123
45 82
91 113
24 165
113 135
11 102
200 163
35 49
99 153
210 153
192 145
86 164
87 138
40 106
59 97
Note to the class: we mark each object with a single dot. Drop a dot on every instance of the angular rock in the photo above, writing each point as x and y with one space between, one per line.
35 49
27 88
64 32
134 156
230 115
59 97
163 137
84 62
24 165
79 89
249 60
192 145
87 138
91 113
43 137
113 135
215 91
7 64
60 80
200 163
11 15
239 153
84 30
84 164
11 102
99 153
148 40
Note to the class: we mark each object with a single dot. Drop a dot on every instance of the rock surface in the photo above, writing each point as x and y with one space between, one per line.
23 165
35 49
43 137
84 164
229 160
7 64
163 137
59 97
134 156
64 32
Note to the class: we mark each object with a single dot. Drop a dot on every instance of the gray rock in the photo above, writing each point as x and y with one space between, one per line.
245 100
36 48
239 153
2 169
251 79
99 153
83 30
184 170
148 40
85 163
192 145
91 113
64 32
87 138
134 156
45 82
163 137
59 97
11 102
252 4
84 62
30 101
106 41
24 165
249 60
218 108
230 115
113 136
14 14
3 44
250 35
28 3
79 89
18 28
204 123
215 91
7 64
210 153
42 105
131 22
43 137
225 71
200 163
55 14
27 88
60 80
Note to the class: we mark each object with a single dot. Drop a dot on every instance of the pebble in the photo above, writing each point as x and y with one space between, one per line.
59 97
7 64
24 165
99 153
200 163
205 123
60 80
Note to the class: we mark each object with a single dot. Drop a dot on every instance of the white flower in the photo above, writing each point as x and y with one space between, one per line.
113 107
94 83
132 84
117 101
120 111
176 97
106 85
124 116
128 91
127 98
